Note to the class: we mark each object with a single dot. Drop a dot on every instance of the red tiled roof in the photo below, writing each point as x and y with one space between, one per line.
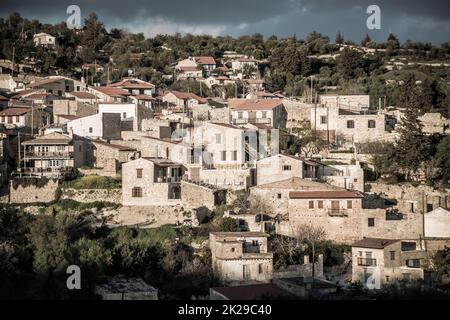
373 243
205 60
45 81
36 96
132 84
188 95
2 98
82 95
254 104
112 91
14 111
324 195
68 116
145 97
188 69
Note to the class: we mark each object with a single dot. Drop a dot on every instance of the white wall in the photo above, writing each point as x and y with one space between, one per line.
128 108
82 126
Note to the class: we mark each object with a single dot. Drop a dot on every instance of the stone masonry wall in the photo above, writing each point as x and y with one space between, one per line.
92 195
32 190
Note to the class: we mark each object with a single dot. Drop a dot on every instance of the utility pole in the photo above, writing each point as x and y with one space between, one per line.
311 88
32 117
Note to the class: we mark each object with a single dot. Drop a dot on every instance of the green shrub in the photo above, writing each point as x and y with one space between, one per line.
93 182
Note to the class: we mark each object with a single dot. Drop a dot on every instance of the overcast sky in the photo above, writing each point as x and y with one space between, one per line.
426 20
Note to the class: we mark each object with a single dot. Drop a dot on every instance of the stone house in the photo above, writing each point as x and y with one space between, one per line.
24 117
110 94
343 126
103 152
281 167
58 85
239 64
347 176
136 86
241 257
183 100
205 64
131 114
348 102
151 182
44 39
51 155
377 262
82 97
98 126
270 112
71 108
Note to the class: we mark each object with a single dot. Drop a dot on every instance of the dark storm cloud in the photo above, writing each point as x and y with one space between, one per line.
417 20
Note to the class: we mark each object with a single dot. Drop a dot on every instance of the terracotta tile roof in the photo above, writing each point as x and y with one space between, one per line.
188 69
205 60
132 84
68 116
254 104
24 93
188 95
297 183
2 98
45 81
253 292
324 195
51 138
145 97
112 91
36 96
373 243
82 95
14 111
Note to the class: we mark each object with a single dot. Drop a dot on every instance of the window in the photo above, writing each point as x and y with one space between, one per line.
392 255
240 115
287 168
407 276
233 249
413 263
371 222
255 243
139 173
311 204
388 278
17 119
279 195
320 204
218 138
60 148
350 124
323 119
136 192
408 246
79 148
371 124
264 114
349 204
90 130
223 155
429 207
124 115
411 207
234 155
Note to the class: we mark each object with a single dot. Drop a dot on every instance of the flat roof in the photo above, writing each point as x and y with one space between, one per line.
373 243
331 194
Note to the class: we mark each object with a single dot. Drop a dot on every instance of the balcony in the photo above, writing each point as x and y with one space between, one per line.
240 121
56 172
367 262
48 155
262 120
337 213
164 179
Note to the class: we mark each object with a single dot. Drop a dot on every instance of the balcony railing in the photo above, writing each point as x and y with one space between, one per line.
337 212
48 155
367 262
168 179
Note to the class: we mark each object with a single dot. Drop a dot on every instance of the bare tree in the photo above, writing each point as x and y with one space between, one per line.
310 235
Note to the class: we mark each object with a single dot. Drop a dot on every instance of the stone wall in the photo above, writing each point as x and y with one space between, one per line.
32 190
297 112
196 196
409 197
92 195
301 270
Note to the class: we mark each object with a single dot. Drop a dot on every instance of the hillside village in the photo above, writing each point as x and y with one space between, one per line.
206 179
